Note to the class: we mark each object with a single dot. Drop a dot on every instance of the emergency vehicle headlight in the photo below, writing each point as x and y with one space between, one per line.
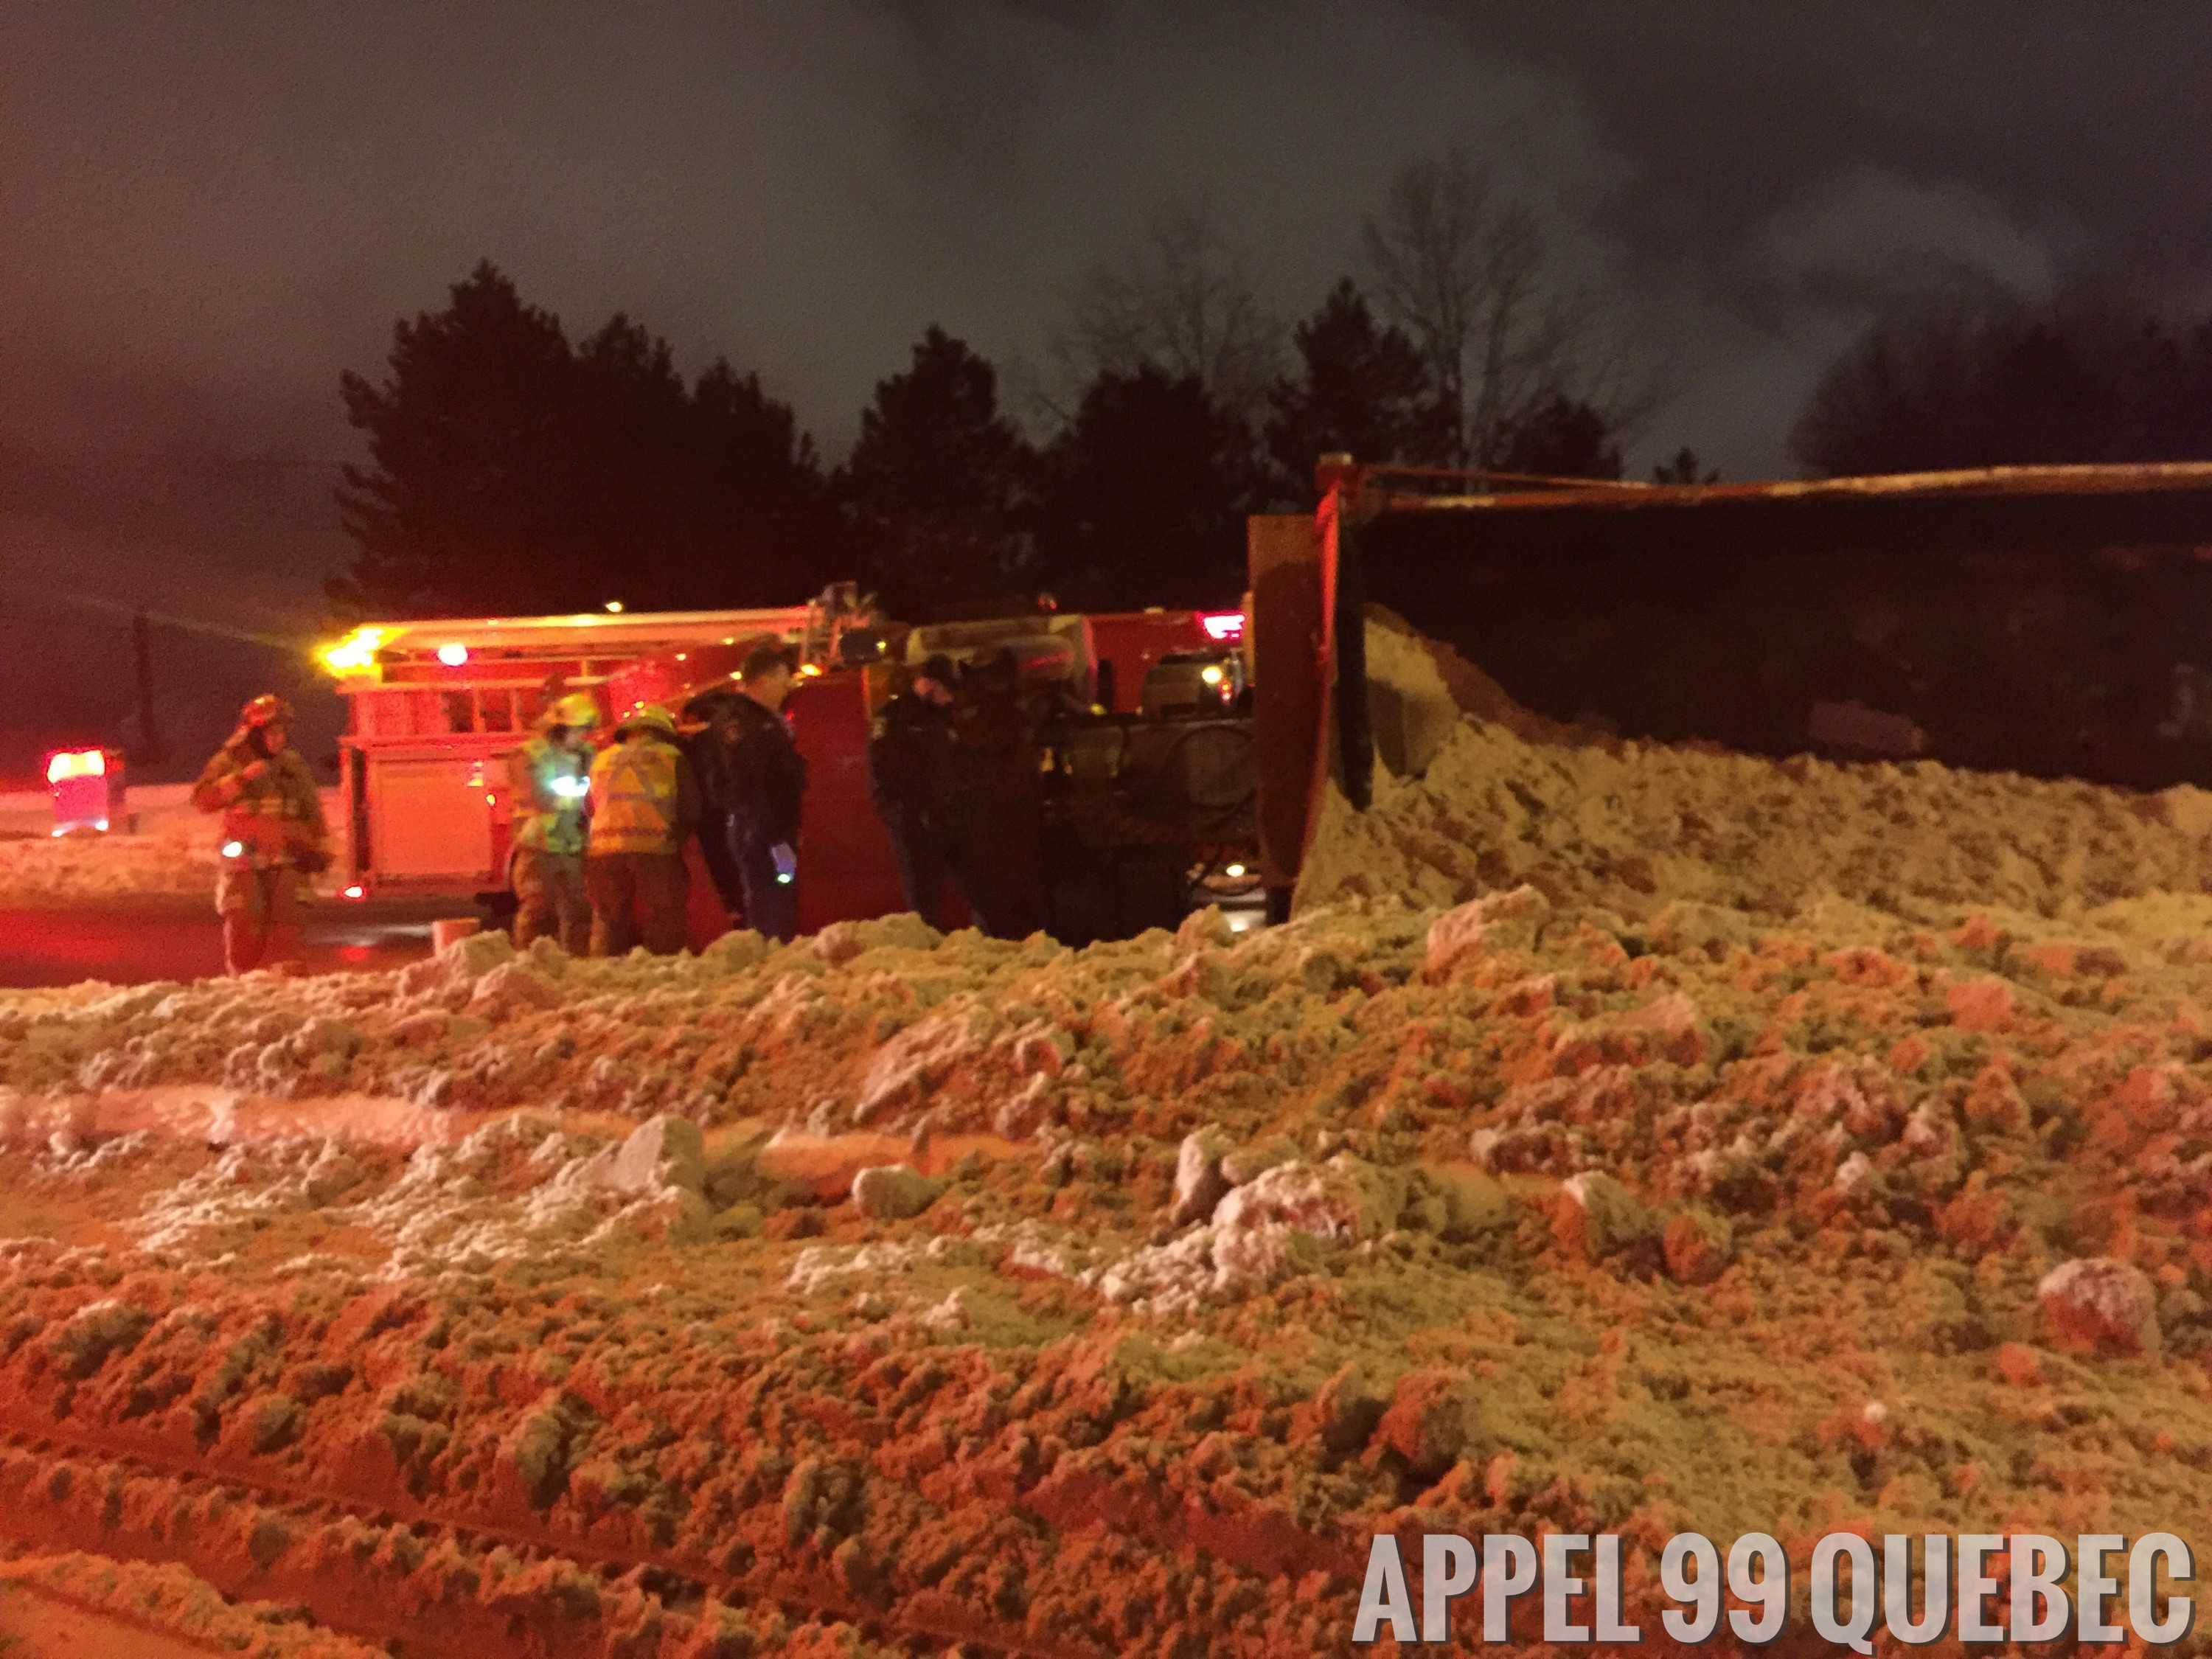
783 878
1234 871
356 891
355 653
1211 673
453 655
234 849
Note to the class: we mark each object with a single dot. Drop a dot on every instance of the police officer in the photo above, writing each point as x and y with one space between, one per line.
763 780
910 773
546 781
702 725
996 803
273 832
645 805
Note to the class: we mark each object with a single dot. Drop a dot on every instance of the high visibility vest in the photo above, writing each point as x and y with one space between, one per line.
633 797
542 819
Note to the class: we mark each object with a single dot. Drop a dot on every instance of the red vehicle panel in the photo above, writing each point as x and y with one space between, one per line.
1134 641
846 869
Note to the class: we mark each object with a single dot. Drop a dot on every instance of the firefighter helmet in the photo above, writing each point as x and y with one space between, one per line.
654 715
267 709
580 709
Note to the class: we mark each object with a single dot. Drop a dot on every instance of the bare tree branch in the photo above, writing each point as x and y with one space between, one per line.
1185 299
1470 274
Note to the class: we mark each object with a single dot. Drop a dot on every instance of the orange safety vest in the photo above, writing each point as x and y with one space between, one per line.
633 797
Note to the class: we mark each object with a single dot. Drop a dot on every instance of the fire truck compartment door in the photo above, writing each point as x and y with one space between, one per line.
429 818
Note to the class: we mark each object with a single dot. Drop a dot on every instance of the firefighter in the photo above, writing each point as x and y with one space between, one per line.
762 780
995 803
910 776
645 805
547 780
272 832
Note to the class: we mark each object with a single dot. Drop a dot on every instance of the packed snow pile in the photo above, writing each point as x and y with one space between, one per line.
139 1595
169 850
172 852
895 1261
1110 1300
1488 796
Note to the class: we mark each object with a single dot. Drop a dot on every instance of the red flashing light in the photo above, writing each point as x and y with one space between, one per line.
1224 625
76 764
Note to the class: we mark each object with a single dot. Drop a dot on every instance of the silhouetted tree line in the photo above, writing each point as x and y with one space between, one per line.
513 468
1976 377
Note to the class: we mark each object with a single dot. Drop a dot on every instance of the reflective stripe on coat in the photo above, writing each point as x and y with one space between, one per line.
634 797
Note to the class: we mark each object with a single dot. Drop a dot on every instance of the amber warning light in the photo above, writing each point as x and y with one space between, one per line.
76 764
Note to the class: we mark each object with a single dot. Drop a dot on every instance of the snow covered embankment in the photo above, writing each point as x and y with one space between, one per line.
173 854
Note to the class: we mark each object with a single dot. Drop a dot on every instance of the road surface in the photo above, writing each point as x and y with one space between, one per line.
134 942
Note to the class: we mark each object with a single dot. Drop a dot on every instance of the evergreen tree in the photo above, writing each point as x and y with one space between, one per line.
934 487
1145 495
513 473
1361 390
462 503
1561 437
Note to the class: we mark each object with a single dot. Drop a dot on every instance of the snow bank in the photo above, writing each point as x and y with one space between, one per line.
172 851
1486 796
1123 1294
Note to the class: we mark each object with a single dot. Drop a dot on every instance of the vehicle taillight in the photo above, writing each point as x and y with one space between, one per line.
76 764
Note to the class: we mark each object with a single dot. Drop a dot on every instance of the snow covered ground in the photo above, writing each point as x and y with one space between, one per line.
1682 1143
170 853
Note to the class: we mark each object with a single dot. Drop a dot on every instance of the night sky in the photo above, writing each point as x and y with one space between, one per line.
211 209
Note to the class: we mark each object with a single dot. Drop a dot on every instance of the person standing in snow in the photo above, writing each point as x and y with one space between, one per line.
645 805
700 724
763 782
273 832
996 803
547 781
909 775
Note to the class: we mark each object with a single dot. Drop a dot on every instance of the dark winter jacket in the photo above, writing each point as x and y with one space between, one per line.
758 774
910 754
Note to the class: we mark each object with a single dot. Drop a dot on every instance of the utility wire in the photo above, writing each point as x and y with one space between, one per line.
188 624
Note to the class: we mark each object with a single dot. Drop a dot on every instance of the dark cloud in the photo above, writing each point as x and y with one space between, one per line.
213 209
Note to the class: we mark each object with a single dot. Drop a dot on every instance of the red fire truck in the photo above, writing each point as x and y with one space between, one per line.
1148 763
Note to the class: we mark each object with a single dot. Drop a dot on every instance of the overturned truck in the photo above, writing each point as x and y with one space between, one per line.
2055 622
2052 621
